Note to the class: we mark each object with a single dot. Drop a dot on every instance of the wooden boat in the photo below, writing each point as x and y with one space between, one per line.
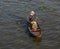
34 33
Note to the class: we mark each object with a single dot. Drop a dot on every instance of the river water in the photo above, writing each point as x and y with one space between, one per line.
13 14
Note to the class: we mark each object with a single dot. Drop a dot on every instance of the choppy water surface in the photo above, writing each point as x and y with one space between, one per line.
13 14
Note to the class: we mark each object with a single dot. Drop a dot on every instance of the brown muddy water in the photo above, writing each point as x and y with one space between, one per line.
13 15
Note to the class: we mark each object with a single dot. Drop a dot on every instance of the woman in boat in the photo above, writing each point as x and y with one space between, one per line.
32 16
34 25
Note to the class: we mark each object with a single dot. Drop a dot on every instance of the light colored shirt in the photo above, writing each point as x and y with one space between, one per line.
34 24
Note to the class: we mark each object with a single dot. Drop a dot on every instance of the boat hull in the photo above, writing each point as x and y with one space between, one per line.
34 34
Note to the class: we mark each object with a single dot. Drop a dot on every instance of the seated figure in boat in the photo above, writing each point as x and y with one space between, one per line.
32 16
34 25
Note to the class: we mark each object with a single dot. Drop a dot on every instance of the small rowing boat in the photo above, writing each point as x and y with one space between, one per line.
36 33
